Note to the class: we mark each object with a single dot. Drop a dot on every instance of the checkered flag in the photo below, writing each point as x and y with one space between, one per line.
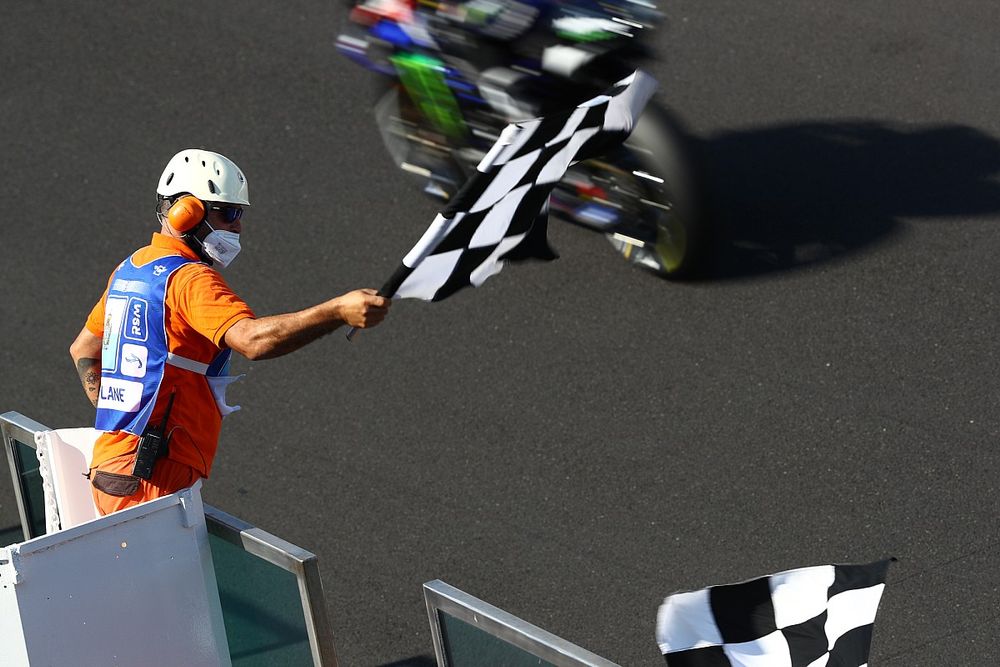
501 212
810 617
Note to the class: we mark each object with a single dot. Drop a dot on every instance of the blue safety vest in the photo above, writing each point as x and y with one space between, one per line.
134 350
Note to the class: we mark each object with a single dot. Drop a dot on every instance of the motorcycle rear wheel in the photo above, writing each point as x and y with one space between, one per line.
649 185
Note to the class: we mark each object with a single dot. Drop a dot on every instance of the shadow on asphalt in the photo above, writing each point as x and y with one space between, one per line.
790 196
415 661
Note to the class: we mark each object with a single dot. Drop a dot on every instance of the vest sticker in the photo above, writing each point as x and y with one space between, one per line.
136 325
114 316
134 360
120 395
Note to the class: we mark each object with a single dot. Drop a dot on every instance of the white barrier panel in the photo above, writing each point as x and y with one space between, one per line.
136 587
64 459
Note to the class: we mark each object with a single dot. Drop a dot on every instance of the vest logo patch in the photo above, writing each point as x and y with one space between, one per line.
136 327
134 360
159 269
120 395
115 310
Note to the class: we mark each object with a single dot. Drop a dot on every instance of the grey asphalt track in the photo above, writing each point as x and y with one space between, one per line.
573 441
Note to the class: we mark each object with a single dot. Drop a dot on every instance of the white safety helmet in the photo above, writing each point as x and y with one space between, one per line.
206 175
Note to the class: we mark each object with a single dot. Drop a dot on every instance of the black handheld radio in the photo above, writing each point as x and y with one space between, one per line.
153 445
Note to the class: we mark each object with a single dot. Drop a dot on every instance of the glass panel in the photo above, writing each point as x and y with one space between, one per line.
30 481
10 535
262 608
10 520
465 645
31 487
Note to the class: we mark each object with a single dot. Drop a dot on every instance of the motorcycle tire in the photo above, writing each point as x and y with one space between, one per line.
650 184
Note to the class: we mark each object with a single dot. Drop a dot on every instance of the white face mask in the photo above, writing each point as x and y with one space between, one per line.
222 246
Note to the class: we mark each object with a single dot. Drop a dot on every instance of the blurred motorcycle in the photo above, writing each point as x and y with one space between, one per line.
452 76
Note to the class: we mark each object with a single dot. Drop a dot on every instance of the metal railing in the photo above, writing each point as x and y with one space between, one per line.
443 601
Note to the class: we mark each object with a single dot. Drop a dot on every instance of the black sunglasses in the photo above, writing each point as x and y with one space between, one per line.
230 213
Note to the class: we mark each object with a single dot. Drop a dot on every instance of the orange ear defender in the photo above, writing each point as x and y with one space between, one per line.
186 213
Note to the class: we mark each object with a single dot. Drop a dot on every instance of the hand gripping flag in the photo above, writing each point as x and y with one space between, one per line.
810 617
501 212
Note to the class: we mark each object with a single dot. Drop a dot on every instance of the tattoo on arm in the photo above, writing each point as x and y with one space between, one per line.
90 376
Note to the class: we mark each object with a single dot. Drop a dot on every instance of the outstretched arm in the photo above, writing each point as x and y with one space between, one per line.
86 353
277 335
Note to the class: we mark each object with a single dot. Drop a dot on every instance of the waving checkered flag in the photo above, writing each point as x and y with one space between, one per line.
501 213
810 617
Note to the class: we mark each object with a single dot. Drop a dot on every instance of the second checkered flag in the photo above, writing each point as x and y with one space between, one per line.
810 617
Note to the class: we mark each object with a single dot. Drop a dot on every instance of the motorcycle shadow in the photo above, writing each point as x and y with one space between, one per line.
787 197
